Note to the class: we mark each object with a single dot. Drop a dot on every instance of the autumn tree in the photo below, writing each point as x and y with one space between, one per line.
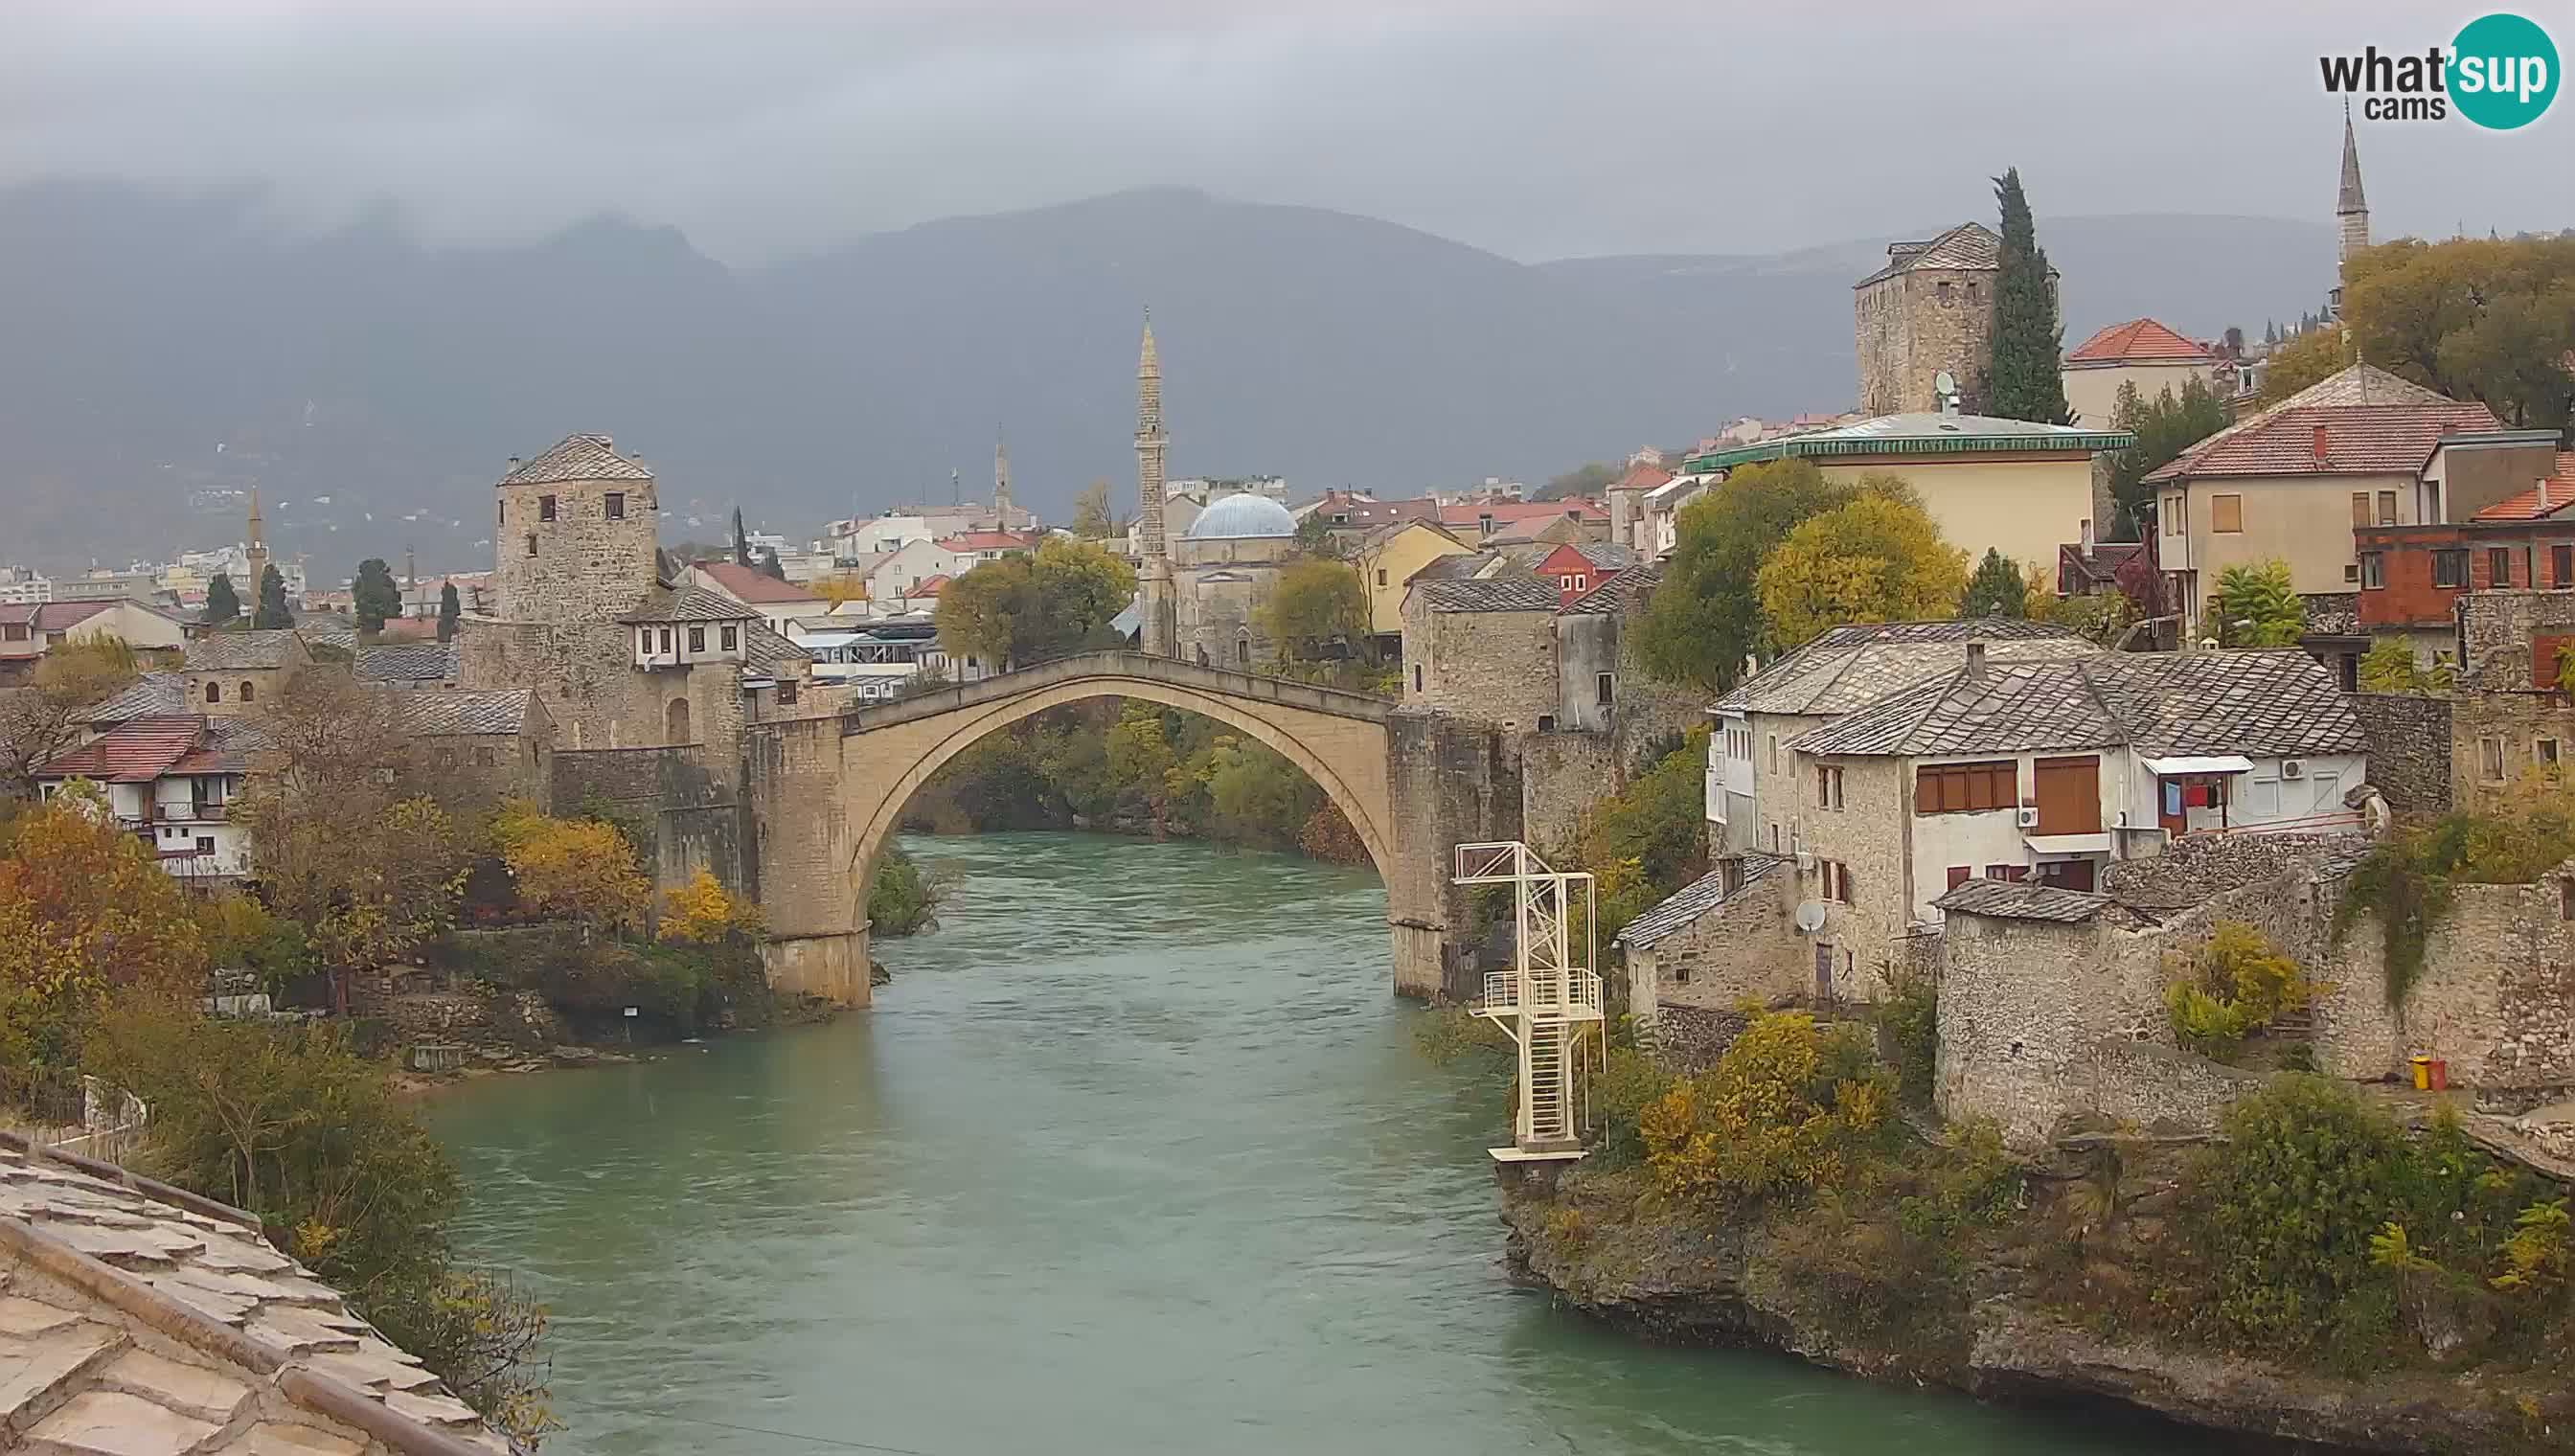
2307 358
1314 537
339 840
2165 425
2258 607
272 612
374 596
2027 380
579 870
1705 617
840 587
1025 608
1313 602
1996 590
2487 319
1091 520
1877 558
223 603
45 717
85 909
703 911
1141 758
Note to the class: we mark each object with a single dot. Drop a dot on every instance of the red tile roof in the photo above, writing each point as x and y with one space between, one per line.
1513 513
929 588
988 541
2354 440
2138 341
2528 506
1644 475
750 586
137 750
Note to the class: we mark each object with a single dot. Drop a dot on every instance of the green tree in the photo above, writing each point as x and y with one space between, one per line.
1023 609
1141 759
2257 606
2513 357
1314 537
772 568
272 612
1091 517
374 596
2486 319
2389 667
1313 602
222 602
1581 481
1256 792
2028 382
1705 617
2309 358
450 612
2165 426
1878 557
46 718
1996 590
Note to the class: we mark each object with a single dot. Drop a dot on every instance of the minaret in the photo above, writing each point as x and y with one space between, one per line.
1000 482
1158 633
255 555
2351 209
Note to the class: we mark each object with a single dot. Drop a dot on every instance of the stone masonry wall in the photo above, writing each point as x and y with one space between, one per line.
1451 783
2495 998
1562 775
1492 666
2409 749
1908 329
1744 950
580 566
693 807
2516 724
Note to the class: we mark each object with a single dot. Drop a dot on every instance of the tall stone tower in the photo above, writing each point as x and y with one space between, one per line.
255 556
1158 631
1000 482
574 536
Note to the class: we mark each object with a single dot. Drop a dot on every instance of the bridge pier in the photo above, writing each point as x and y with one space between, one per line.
832 966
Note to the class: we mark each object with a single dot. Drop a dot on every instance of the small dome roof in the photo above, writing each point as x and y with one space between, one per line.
1242 515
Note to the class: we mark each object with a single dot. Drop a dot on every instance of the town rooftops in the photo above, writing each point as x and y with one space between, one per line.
1520 513
2264 703
1644 475
2356 385
998 539
136 751
1621 593
241 652
142 1318
1342 509
52 615
578 458
1849 668
2548 498
410 661
748 583
1692 900
1488 594
2306 440
769 655
1918 434
154 695
450 711
1966 245
2005 899
2138 341
689 603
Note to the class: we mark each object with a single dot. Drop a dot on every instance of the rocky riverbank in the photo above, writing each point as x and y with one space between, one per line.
2016 1316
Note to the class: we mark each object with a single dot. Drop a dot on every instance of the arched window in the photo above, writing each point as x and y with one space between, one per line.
214 692
1243 650
248 690
676 721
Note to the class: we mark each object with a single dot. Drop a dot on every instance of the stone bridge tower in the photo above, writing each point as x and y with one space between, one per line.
573 535
1158 634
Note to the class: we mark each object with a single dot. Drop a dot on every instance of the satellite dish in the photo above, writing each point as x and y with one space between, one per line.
1944 384
1810 917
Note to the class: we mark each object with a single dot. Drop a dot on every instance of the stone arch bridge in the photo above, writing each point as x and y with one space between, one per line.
825 795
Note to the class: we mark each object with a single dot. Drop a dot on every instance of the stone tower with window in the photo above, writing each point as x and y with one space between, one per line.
573 535
1932 308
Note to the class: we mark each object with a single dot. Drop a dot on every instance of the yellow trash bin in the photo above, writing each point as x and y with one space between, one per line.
2422 1072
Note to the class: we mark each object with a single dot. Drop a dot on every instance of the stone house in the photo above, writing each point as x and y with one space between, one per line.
228 673
1660 530
2300 479
483 746
2140 352
170 779
1481 649
1626 500
1930 310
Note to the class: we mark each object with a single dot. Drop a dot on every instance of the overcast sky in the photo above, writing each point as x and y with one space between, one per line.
1536 129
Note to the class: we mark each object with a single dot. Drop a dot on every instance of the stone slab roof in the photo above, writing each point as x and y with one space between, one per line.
769 653
1849 668
689 603
1692 900
1489 594
1969 245
2272 702
429 662
449 712
140 1320
2022 900
578 458
1621 595
233 651
154 695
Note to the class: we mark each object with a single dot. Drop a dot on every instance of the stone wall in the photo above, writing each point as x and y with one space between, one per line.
1492 667
1450 783
2495 998
2022 1002
2499 631
2159 1088
580 566
1745 949
475 772
1908 328
694 809
2506 730
2410 751
1562 775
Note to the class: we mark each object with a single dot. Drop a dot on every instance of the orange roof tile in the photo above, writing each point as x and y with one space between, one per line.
2139 341
750 586
137 750
2328 439
2545 498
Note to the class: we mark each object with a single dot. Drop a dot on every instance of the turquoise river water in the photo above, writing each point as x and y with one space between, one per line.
1135 1155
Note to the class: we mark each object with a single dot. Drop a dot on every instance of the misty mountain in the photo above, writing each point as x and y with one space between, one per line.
158 352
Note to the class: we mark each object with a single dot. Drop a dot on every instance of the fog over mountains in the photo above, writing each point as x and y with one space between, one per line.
157 349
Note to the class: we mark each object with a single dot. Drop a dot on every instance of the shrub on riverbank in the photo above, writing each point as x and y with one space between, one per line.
902 899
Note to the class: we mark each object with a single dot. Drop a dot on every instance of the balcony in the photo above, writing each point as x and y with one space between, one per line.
1579 1001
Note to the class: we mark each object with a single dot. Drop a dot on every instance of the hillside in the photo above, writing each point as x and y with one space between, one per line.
156 350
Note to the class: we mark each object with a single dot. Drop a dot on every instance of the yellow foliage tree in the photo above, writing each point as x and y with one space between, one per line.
841 589
1776 1113
1878 557
582 869
702 912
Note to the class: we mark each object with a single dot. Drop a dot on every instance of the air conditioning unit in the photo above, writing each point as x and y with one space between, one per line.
1805 863
2293 767
2029 819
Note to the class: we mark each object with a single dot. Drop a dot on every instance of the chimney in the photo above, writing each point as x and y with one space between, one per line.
1975 661
2087 536
2543 495
2321 451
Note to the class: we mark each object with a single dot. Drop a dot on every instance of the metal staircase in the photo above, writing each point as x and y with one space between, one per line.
1548 1001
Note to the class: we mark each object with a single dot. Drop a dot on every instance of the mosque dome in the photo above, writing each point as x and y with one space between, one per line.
1240 516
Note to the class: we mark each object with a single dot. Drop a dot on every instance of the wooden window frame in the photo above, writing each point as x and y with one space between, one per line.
2373 570
2499 567
617 505
2226 515
545 508
2387 508
2455 558
2361 515
1982 787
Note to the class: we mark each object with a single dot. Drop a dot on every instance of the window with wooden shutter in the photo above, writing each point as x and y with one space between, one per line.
2226 514
2360 509
2499 567
1966 787
2387 508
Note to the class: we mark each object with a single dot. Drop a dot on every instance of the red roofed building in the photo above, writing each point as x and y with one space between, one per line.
2140 352
2411 576
2362 449
1477 520
171 779
777 602
1627 502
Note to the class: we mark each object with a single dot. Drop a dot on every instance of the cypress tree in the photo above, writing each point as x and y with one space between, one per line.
272 612
1996 590
373 596
741 540
449 610
222 602
771 566
2026 382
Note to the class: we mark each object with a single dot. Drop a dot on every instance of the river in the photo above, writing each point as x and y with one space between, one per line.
1136 1156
